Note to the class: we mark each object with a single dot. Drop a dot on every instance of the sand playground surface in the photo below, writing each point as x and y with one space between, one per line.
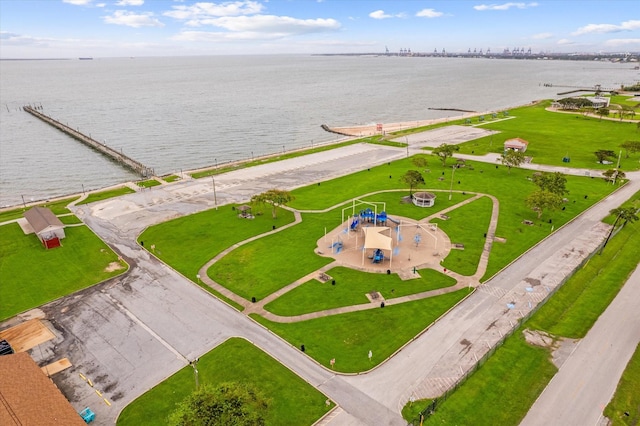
405 243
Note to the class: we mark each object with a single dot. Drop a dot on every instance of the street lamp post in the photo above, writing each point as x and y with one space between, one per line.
194 364
453 169
215 197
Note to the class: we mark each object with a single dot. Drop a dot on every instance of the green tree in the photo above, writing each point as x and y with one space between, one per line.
228 404
604 154
540 201
628 214
275 197
603 112
512 158
556 183
419 161
630 147
412 179
612 174
445 151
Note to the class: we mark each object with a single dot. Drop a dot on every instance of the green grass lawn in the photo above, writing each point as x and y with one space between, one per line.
349 337
624 408
171 178
32 276
263 266
350 288
106 194
465 262
188 242
507 385
57 207
292 400
552 136
148 183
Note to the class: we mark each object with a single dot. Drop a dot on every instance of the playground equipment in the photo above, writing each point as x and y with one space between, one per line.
87 415
378 256
354 224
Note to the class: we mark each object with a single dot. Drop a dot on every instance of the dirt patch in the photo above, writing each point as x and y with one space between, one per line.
561 348
113 266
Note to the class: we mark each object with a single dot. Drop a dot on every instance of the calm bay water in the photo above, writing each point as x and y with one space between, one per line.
186 113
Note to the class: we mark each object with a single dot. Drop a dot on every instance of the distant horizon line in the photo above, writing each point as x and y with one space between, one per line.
400 53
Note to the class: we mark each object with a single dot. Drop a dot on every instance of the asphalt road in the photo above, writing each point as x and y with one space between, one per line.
131 332
585 383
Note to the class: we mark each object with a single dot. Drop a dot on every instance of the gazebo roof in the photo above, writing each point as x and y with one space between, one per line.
424 195
244 208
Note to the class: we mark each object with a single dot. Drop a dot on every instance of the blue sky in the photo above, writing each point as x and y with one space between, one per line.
116 28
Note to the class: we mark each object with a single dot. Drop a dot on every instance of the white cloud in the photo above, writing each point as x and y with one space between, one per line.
505 6
380 14
616 42
78 2
607 28
130 3
199 11
429 13
278 26
542 36
135 20
565 41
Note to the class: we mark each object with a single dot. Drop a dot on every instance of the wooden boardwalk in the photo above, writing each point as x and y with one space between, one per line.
119 157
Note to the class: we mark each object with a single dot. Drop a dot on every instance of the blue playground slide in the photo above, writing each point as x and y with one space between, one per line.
378 256
354 224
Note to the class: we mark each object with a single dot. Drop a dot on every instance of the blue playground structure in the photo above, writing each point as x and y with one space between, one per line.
378 256
354 224
336 247
369 216
87 415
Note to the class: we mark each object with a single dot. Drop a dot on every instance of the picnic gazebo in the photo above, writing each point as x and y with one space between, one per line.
516 144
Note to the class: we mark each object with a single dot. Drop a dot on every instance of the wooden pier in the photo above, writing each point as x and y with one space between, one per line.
119 157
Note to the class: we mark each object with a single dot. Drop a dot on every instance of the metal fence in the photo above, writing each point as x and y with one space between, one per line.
435 403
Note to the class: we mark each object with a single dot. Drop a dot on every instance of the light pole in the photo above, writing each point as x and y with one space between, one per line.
194 364
453 169
216 160
83 193
23 203
215 198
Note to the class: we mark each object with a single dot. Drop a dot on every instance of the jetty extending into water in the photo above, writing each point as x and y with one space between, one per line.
117 156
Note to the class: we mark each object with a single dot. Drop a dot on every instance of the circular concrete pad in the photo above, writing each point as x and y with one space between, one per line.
414 245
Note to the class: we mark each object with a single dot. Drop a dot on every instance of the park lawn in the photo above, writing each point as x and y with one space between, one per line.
57 207
32 276
465 262
171 178
188 242
502 390
349 337
350 288
148 183
262 266
106 194
292 400
554 135
627 396
525 362
624 100
70 220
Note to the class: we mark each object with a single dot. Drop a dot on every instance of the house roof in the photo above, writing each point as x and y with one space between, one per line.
29 397
517 142
41 218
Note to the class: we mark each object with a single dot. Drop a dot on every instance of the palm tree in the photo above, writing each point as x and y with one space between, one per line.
628 214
